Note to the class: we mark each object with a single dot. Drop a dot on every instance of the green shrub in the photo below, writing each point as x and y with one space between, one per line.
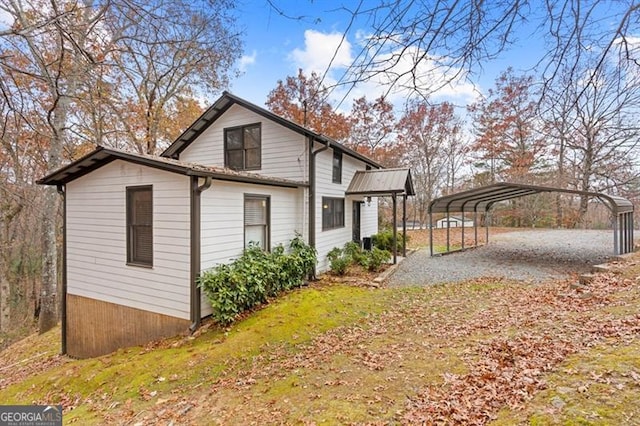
338 261
254 277
376 258
352 254
355 254
384 240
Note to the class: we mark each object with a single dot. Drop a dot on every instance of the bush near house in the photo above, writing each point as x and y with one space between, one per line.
256 276
384 240
340 259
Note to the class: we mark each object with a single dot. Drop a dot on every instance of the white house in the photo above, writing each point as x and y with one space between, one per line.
454 222
139 229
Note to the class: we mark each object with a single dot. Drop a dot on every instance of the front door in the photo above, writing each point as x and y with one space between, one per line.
356 220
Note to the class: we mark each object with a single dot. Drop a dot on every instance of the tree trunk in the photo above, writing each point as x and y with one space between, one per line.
561 184
5 299
48 307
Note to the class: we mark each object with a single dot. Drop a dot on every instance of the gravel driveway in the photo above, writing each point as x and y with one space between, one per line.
535 256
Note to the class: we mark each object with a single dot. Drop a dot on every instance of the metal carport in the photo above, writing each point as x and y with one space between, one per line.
480 200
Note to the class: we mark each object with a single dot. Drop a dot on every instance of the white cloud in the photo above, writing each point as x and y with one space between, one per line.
438 82
247 60
319 49
403 80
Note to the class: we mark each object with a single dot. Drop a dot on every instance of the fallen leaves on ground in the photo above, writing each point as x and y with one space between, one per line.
508 336
447 354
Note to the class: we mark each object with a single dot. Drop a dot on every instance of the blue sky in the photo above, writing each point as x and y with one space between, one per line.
275 47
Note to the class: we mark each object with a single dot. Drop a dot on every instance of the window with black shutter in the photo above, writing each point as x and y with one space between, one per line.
332 213
242 147
256 221
140 225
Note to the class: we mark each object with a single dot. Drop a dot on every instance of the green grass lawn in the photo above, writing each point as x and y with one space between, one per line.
482 351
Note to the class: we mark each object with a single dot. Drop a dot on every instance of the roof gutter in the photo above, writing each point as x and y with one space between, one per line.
194 271
312 189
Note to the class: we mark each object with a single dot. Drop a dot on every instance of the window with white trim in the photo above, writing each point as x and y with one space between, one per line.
256 221
140 225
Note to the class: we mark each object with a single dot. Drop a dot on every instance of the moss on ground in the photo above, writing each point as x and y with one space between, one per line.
131 375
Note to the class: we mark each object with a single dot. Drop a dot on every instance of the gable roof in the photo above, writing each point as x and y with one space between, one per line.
225 101
102 156
381 182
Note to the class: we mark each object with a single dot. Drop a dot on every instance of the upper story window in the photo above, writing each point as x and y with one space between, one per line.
337 167
242 147
140 225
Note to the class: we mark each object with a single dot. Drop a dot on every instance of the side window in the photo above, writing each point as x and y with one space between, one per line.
140 225
337 167
332 213
242 147
256 221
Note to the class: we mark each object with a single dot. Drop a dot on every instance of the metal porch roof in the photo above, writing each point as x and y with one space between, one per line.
381 182
481 199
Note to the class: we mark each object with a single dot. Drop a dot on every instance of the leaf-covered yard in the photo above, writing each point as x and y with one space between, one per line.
471 353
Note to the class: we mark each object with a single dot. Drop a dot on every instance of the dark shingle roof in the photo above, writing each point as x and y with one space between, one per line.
101 156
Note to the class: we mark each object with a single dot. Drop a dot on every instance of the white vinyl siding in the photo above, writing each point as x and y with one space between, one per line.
369 218
256 221
222 224
96 240
283 151
328 239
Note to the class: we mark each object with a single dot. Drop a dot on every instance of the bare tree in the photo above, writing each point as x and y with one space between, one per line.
96 72
165 50
604 136
422 47
426 134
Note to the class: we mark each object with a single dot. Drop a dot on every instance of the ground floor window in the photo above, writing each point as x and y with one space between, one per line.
332 213
256 221
140 225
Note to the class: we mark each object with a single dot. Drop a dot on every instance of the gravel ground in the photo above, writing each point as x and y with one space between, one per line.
535 256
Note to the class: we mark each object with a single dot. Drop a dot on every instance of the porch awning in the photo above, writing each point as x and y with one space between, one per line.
381 182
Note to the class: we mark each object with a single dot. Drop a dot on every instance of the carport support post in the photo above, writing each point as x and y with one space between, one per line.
616 249
430 232
404 225
475 225
486 227
448 224
395 228
463 228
